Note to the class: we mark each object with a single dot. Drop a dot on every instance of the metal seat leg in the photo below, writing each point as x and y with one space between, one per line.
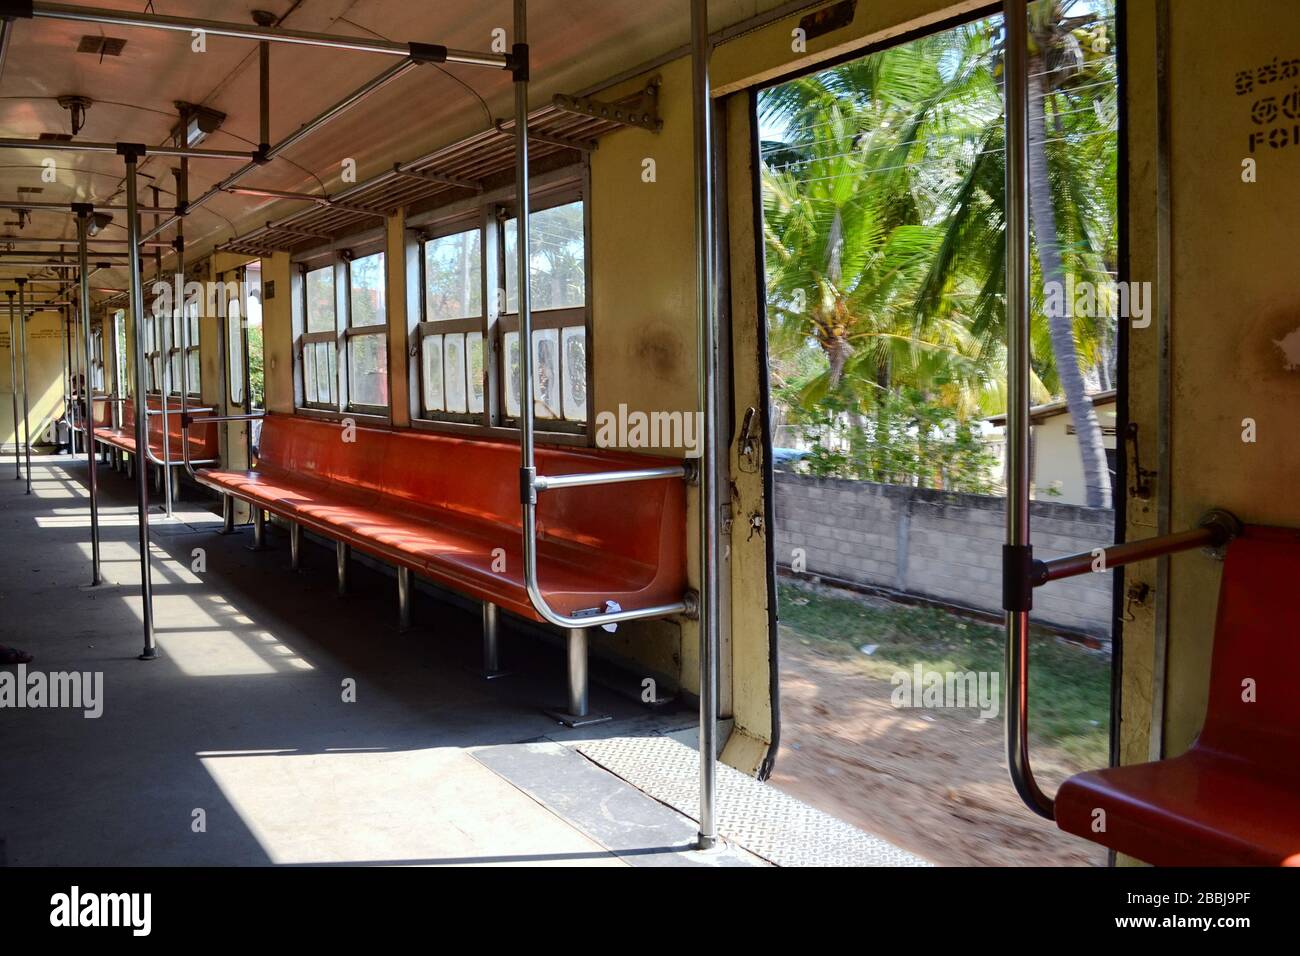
403 598
259 530
343 554
295 546
576 713
491 668
227 514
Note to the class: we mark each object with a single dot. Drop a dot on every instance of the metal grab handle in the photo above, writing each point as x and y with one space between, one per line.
181 408
1215 530
552 482
187 420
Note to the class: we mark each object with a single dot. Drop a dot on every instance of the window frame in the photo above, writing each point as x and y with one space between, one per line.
454 226
338 258
348 332
492 210
193 388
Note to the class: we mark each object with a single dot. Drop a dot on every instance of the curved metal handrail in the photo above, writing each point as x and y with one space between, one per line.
187 420
1214 532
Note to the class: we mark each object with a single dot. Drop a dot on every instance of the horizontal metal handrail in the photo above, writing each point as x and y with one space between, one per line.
188 420
1215 530
552 482
172 409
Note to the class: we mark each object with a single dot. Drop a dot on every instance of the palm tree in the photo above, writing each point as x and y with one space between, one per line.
930 112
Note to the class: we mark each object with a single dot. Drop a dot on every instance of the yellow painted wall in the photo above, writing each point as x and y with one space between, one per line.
1235 295
277 334
45 374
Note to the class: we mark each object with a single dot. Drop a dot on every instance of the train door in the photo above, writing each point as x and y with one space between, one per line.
882 193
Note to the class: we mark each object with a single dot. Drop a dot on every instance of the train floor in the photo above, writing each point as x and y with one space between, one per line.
282 724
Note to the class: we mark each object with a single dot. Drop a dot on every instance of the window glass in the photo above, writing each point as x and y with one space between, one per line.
320 300
558 267
453 272
366 285
431 373
368 370
574 352
235 350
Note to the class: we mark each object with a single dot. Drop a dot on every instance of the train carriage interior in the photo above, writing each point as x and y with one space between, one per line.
748 433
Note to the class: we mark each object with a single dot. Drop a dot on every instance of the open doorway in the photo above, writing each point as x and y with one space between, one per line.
883 228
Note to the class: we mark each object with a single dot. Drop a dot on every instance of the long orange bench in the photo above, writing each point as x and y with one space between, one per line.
203 439
448 508
1233 798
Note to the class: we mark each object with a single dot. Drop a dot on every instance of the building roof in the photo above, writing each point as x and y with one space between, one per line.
1040 413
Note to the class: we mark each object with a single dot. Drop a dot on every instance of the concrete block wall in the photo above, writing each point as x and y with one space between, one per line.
938 545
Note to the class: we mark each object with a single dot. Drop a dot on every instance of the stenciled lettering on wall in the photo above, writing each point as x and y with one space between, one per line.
1274 89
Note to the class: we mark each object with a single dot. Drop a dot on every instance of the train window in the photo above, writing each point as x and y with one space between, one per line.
320 341
558 285
235 349
121 383
452 334
97 359
366 335
152 353
189 313
253 336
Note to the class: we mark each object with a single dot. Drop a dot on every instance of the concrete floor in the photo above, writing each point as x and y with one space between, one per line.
241 723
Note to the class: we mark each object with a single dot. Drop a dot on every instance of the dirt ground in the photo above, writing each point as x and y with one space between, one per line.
934 783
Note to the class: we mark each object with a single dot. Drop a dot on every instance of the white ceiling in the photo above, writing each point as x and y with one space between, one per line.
574 45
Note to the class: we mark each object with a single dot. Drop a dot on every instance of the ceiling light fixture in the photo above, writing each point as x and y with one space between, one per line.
196 123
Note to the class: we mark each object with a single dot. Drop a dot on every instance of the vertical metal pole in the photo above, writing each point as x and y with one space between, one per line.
524 251
92 478
69 379
1016 83
295 544
27 415
13 383
264 97
141 417
706 361
165 343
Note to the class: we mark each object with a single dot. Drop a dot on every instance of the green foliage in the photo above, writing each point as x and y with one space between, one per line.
885 235
256 373
908 440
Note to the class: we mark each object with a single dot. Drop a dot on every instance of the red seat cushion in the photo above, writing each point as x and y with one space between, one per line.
203 439
1234 797
449 508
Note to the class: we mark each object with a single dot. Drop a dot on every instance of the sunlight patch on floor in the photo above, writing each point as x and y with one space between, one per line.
404 807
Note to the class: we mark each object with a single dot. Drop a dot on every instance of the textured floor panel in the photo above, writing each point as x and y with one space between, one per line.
762 819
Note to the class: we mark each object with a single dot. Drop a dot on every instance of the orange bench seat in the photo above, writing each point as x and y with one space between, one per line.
448 508
1233 799
203 440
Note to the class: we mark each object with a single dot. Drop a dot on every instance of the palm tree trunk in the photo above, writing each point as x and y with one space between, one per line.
1096 472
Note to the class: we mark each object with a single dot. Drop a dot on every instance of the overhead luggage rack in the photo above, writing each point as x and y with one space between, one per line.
460 169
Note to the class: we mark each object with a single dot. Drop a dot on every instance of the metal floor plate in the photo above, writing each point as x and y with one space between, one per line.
760 818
